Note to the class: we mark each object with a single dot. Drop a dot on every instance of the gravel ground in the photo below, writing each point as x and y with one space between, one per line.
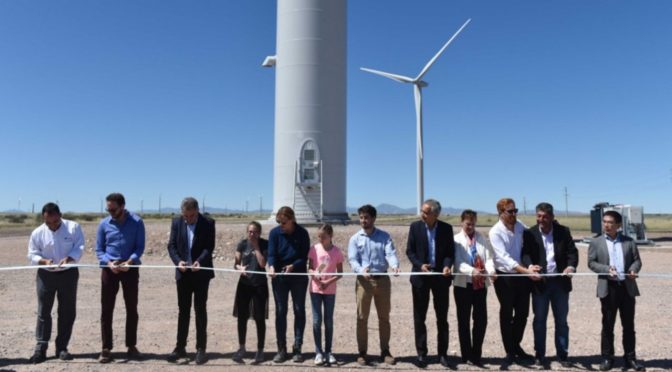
158 314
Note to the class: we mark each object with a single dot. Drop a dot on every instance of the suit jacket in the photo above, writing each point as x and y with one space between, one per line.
463 257
201 248
565 250
417 249
598 261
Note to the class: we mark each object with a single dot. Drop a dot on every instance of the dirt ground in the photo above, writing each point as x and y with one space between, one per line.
158 314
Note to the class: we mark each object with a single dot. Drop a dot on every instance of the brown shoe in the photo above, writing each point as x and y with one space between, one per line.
105 356
388 358
361 360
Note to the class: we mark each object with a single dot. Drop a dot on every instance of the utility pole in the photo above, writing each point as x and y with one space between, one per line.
524 206
260 204
142 207
33 210
19 203
566 203
247 205
159 204
101 206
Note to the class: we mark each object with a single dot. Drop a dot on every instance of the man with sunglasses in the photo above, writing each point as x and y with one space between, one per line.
288 246
120 242
513 292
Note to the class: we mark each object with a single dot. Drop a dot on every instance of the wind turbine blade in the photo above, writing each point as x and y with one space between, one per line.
431 61
418 120
399 78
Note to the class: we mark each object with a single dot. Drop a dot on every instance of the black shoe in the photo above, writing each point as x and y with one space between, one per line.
297 357
178 353
281 356
542 362
238 356
443 360
508 361
523 358
477 362
566 363
38 357
63 355
421 361
631 363
133 353
606 364
201 357
259 357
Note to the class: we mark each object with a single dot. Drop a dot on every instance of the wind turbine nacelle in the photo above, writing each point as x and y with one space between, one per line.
422 84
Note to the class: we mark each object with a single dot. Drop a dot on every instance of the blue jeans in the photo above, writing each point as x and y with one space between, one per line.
329 301
282 287
558 297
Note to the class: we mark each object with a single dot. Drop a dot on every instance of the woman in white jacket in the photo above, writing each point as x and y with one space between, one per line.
474 260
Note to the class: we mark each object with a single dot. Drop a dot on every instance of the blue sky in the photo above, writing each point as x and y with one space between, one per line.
160 97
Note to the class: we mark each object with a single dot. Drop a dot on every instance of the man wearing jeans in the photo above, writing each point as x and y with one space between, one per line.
288 246
370 252
55 242
120 241
550 246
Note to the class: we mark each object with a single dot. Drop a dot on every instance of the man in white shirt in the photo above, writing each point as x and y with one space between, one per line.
55 243
513 293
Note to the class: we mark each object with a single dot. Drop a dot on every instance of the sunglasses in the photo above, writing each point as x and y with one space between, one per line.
512 211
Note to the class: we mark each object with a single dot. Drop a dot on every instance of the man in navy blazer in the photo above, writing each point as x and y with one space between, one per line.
192 240
616 257
431 248
548 248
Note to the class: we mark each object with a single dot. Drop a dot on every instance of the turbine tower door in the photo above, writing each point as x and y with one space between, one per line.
308 188
310 163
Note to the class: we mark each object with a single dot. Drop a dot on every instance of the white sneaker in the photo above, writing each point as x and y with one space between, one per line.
332 359
319 359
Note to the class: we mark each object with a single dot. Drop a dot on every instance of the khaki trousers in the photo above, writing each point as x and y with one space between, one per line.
379 289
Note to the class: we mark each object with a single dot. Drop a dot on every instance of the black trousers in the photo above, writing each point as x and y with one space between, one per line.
108 295
470 302
257 296
618 300
439 288
187 286
52 284
513 294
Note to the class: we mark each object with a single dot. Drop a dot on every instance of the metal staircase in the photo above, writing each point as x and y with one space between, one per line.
308 200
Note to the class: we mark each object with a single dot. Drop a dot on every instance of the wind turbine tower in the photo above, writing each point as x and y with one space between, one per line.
310 109
418 84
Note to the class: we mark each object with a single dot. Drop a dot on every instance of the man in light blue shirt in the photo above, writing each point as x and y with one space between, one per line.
120 242
370 253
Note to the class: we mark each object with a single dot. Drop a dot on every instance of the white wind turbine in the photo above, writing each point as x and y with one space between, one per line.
418 84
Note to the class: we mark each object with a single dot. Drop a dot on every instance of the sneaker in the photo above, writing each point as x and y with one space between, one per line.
319 359
105 356
201 357
38 357
388 358
297 357
238 355
177 354
63 355
133 353
361 360
259 357
332 359
281 356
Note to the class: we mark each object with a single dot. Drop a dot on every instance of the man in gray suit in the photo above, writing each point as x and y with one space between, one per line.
616 258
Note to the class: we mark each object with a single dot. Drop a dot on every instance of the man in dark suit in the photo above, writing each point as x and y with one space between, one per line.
430 248
616 258
192 240
548 248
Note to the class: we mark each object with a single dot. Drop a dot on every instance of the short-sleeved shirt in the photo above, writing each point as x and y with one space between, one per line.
324 261
249 259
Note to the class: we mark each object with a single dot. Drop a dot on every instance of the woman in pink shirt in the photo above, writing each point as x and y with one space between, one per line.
324 258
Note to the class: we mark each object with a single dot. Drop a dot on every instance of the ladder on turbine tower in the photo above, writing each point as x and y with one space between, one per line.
308 196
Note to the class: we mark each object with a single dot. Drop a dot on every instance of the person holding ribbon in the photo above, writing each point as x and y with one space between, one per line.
474 259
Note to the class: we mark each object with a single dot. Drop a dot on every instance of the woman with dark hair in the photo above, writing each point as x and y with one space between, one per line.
252 291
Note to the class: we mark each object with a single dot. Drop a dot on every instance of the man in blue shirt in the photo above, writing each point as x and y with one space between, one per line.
120 241
288 246
370 252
